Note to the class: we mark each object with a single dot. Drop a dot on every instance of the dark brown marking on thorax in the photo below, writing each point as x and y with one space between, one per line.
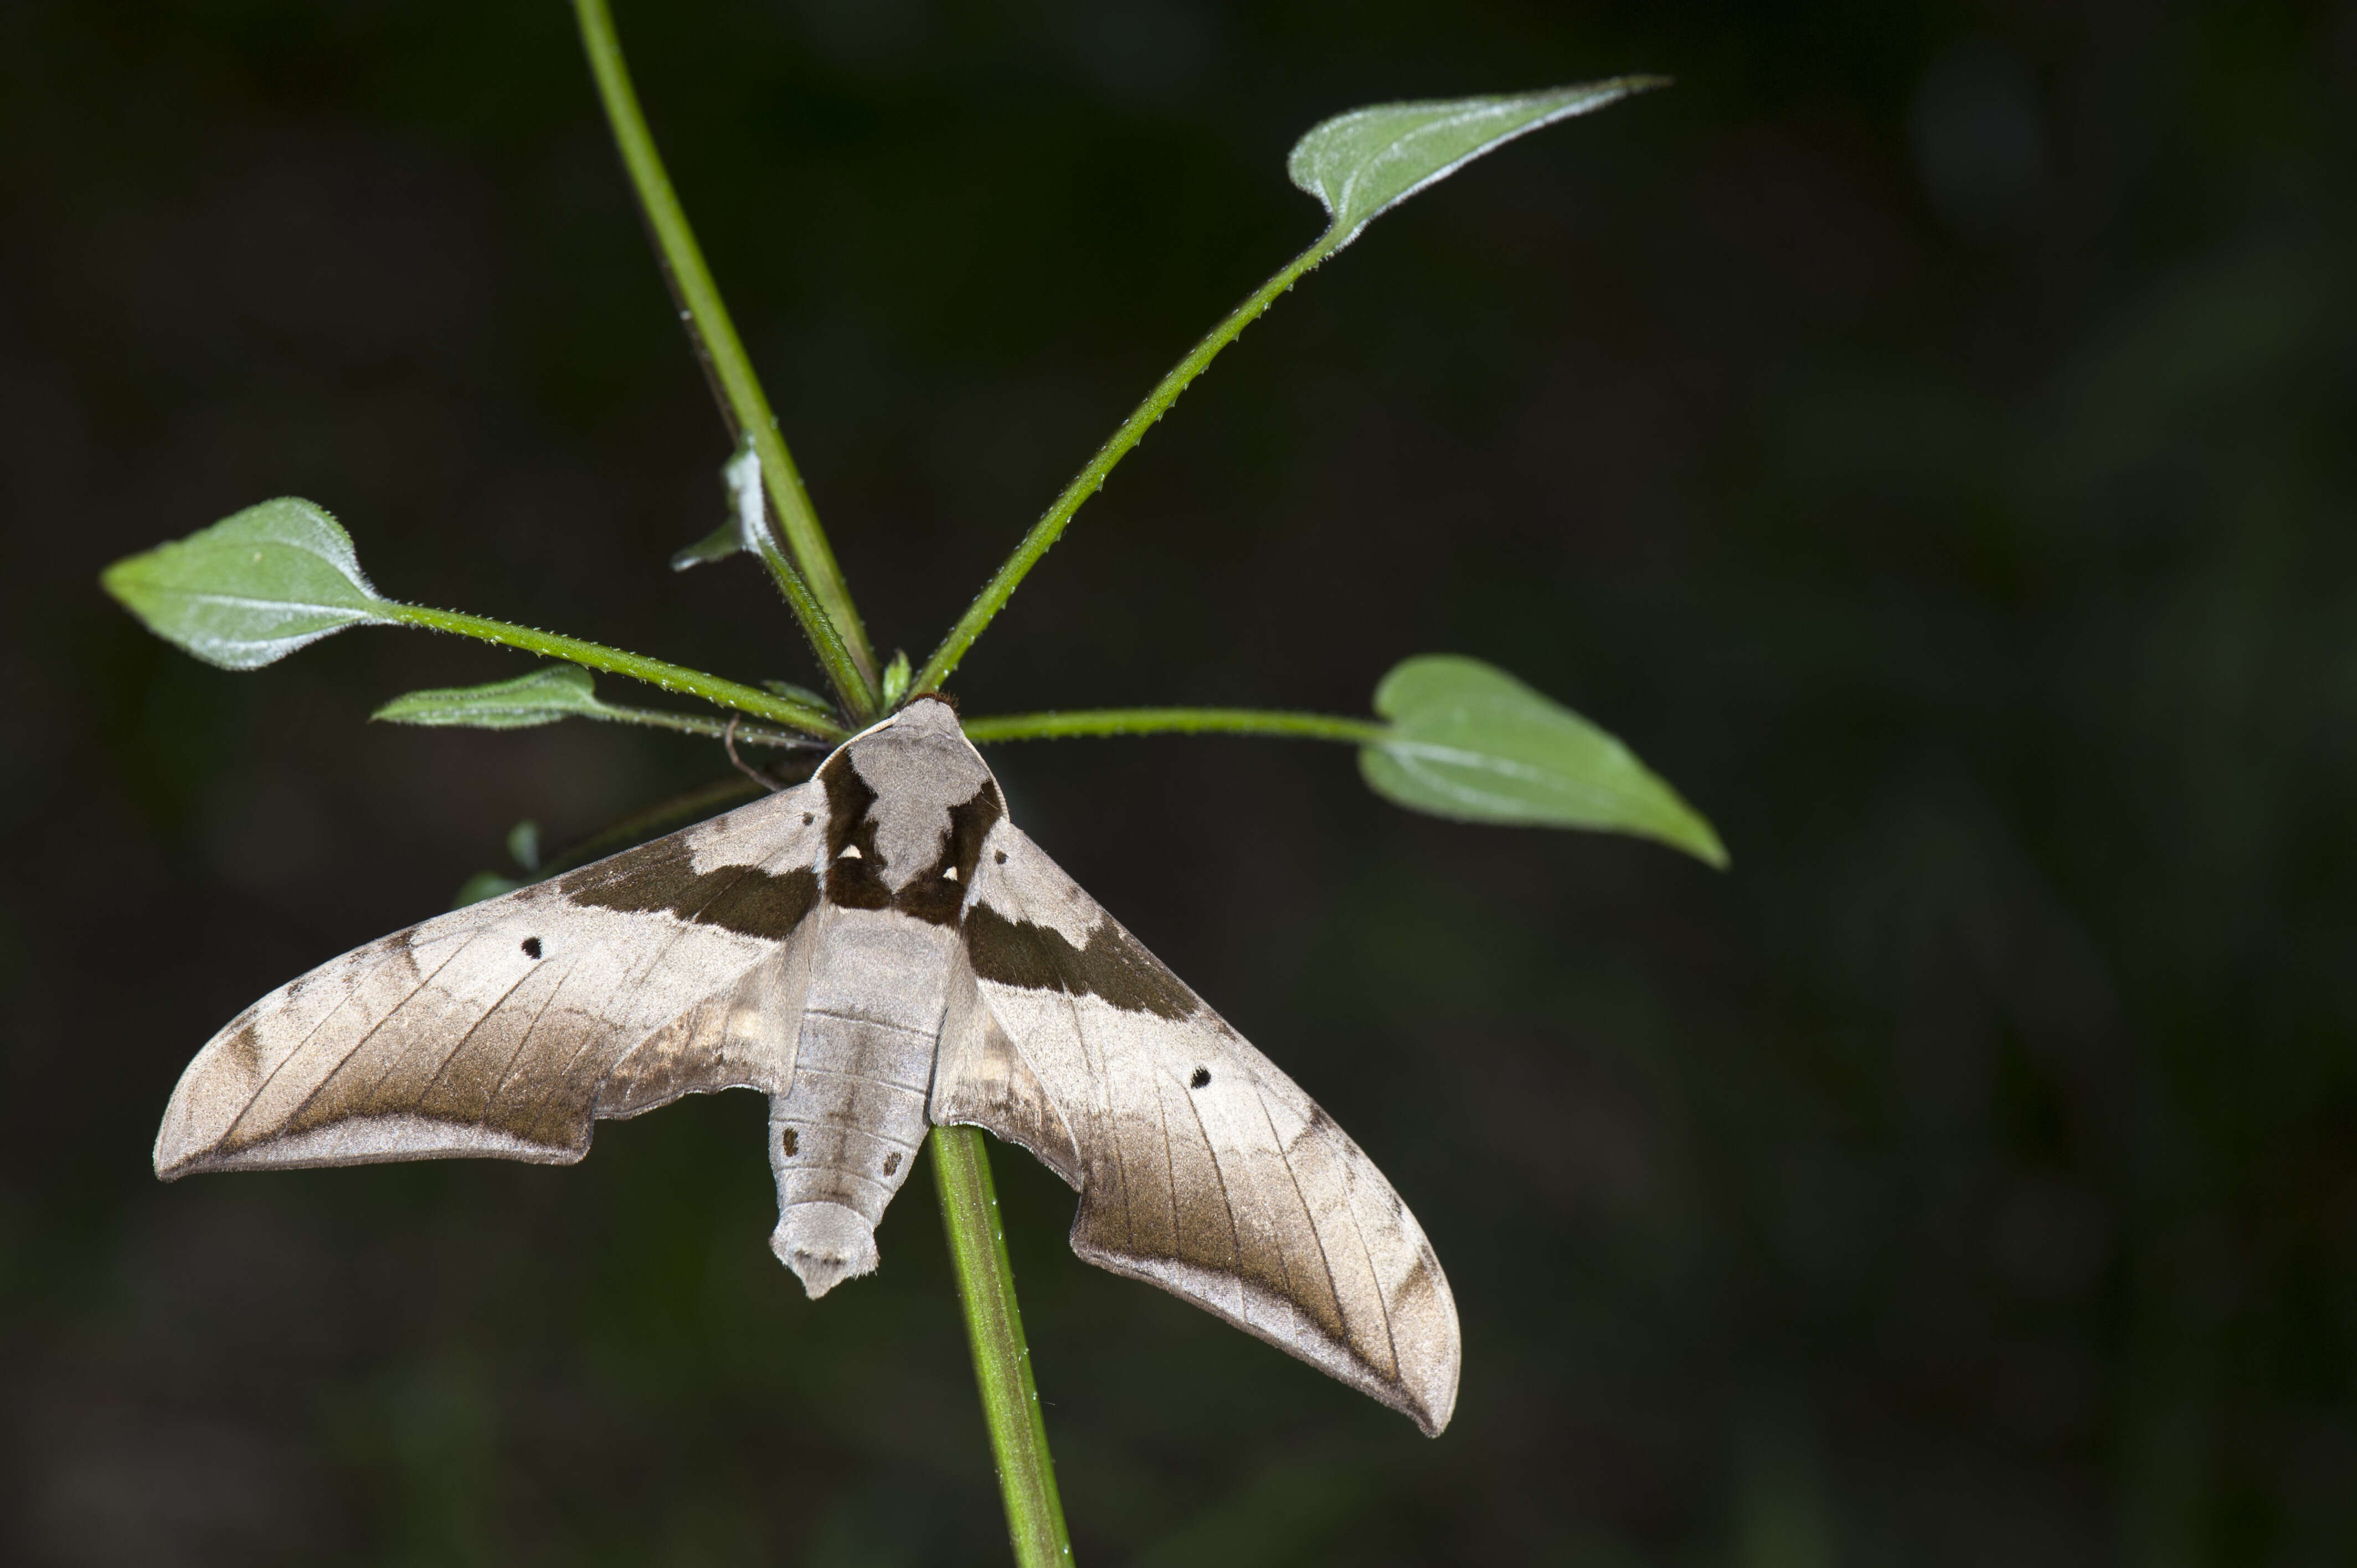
1040 958
858 882
855 882
660 877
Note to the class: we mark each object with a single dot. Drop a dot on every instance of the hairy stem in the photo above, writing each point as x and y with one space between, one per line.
689 723
1002 1362
614 662
1173 721
1051 526
812 582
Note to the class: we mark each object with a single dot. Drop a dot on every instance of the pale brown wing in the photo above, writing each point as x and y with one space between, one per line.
503 1028
1201 1167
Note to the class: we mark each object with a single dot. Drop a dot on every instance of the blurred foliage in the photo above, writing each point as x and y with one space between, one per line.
1921 434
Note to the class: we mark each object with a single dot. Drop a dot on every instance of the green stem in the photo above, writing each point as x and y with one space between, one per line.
1051 526
1002 1362
688 723
1173 721
614 662
819 595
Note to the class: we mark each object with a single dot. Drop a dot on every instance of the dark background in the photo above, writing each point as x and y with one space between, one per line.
1925 434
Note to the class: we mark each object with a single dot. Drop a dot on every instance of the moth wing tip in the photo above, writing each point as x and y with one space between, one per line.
1431 1414
176 1154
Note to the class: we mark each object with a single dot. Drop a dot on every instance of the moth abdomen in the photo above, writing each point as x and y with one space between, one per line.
845 1136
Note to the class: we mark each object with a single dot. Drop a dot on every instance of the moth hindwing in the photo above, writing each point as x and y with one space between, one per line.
878 951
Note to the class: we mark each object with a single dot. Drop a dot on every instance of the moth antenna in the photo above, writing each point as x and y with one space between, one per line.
728 739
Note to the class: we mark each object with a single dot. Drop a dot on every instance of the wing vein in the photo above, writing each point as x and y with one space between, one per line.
523 1041
1098 1064
472 1030
393 1065
1374 1273
369 1034
285 1062
1169 1161
1284 1158
1227 1202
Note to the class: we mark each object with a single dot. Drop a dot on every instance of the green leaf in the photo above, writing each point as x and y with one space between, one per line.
1469 741
252 588
718 545
524 845
543 697
1363 164
896 680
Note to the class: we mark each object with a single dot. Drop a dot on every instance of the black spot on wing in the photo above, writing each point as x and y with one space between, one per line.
660 877
1039 958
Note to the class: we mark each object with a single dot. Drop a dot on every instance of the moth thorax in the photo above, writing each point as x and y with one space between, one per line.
916 779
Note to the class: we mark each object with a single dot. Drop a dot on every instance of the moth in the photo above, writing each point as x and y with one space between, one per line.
879 951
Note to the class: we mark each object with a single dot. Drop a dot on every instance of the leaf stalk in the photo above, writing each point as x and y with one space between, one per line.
713 689
811 581
1050 527
689 723
1174 721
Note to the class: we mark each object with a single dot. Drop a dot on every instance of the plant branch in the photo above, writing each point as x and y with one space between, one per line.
1051 526
713 689
820 598
688 723
1002 1362
1174 721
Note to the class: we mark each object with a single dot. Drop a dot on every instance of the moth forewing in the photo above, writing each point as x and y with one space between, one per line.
1204 1169
878 951
492 1030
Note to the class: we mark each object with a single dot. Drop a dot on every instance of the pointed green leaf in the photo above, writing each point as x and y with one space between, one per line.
1363 164
543 697
896 680
252 588
718 545
1469 741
